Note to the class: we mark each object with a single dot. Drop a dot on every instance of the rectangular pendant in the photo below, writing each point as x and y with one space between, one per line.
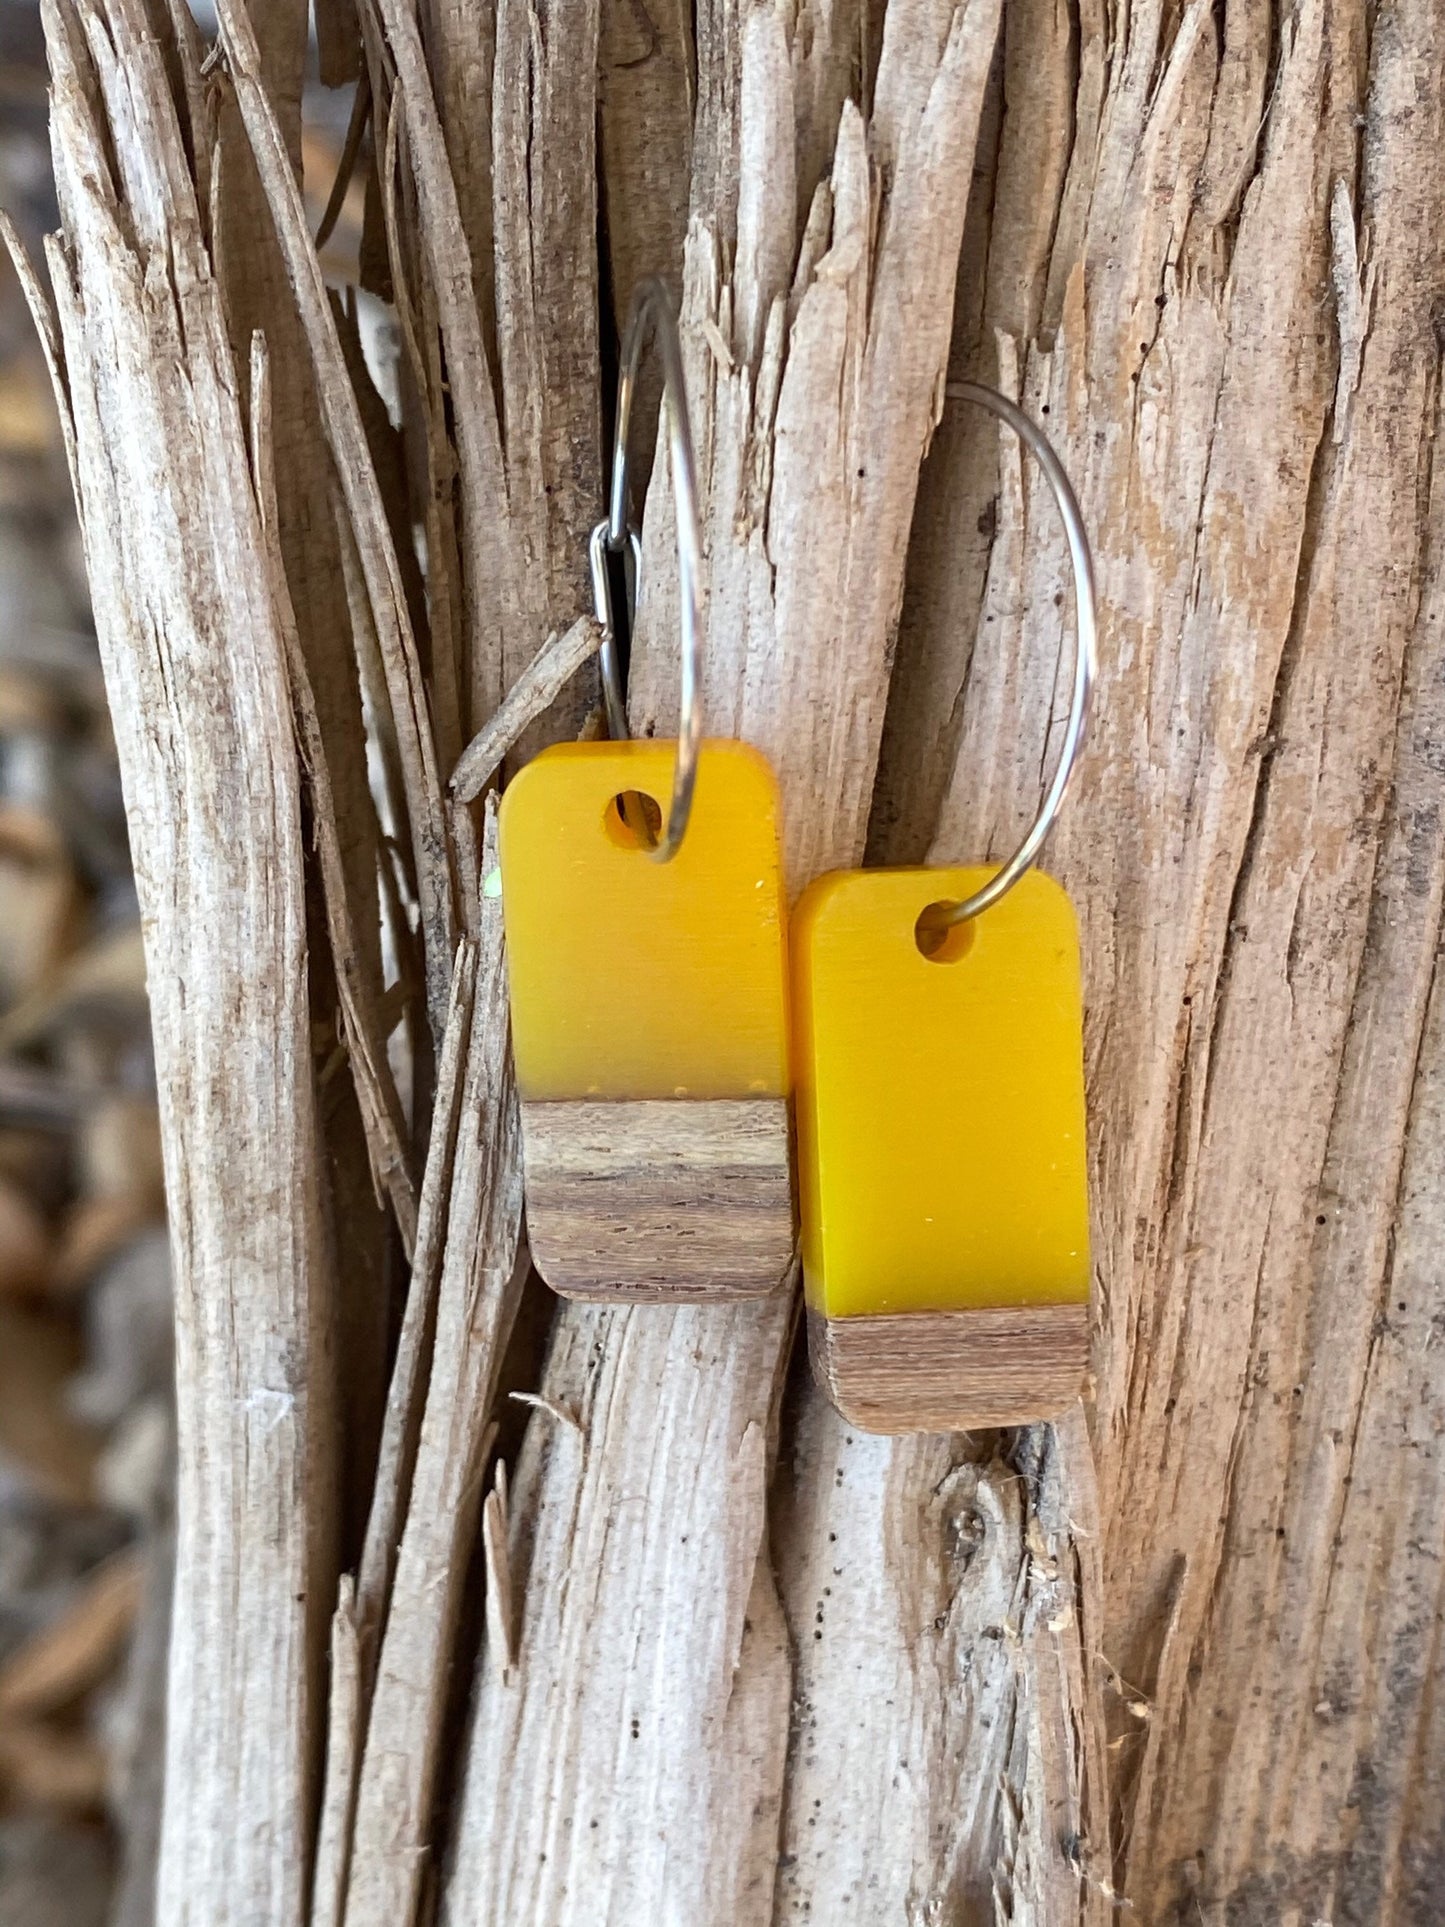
649 1023
941 1149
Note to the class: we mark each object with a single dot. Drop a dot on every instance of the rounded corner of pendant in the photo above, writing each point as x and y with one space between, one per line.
1049 889
744 756
521 783
817 899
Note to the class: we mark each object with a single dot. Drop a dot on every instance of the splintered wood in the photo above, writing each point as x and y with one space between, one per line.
707 1651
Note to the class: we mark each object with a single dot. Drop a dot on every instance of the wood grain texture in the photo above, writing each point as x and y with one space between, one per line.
741 1662
666 1201
367 1167
646 95
544 173
952 1371
360 1615
483 1266
367 534
194 652
1247 391
809 451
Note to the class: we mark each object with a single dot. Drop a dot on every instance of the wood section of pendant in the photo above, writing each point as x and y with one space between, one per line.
650 1024
941 1150
663 1200
951 1371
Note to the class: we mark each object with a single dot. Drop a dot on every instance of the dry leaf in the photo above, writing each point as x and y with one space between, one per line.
26 1258
109 973
27 414
135 1470
95 1230
128 1332
70 1655
38 1354
27 705
40 900
53 1766
120 1151
35 1158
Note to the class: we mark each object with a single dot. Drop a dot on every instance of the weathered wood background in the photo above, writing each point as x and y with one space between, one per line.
673 1644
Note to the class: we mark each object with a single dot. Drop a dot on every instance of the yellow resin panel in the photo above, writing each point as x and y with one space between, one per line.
939 1104
632 978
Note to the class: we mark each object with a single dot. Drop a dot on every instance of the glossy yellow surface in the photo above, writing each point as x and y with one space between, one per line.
940 1104
632 978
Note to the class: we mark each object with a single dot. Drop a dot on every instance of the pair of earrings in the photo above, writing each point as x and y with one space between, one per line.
924 1025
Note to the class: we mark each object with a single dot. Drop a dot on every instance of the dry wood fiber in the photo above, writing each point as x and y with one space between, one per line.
1178 1649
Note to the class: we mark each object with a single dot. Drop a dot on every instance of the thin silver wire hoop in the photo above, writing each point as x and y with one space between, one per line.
614 703
1086 647
652 305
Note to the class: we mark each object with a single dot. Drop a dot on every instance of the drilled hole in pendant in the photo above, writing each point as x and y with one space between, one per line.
939 940
634 821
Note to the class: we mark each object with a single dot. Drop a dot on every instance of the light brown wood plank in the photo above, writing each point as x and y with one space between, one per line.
951 1371
670 1199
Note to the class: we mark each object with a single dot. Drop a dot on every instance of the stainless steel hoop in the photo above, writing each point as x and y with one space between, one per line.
652 304
1086 648
614 702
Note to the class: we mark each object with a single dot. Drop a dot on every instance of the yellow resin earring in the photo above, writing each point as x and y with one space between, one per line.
940 1108
647 964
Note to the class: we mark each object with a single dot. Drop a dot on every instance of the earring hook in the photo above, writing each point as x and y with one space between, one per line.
652 304
1086 648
